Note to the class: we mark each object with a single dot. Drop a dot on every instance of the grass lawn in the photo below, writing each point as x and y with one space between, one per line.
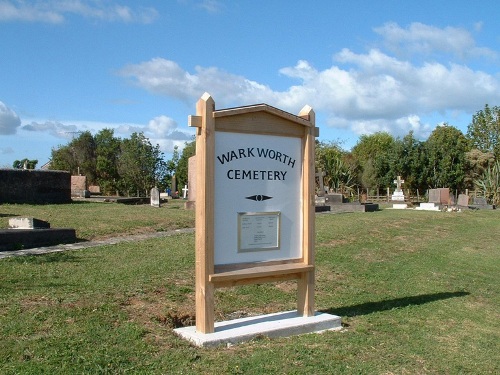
418 293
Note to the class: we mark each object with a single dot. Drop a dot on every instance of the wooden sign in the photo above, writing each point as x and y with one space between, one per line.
254 201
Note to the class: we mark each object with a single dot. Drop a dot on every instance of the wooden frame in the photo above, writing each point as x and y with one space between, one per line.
263 120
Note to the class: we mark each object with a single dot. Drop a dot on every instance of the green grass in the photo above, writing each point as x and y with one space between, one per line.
418 292
94 221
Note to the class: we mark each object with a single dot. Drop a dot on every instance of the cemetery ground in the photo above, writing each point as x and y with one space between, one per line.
418 292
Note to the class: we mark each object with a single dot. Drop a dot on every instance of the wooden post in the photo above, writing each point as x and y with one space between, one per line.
205 155
305 287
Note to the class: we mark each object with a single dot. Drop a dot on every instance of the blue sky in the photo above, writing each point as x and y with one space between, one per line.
364 66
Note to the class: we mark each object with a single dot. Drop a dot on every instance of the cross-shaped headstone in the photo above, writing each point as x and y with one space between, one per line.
184 191
398 183
321 175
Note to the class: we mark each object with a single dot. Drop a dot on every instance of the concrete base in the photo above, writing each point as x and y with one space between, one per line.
282 324
348 207
400 206
428 207
17 239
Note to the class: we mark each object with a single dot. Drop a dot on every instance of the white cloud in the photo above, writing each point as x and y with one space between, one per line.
9 120
54 128
365 92
211 6
424 39
56 11
160 130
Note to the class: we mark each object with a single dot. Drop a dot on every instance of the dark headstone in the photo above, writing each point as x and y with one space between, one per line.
334 199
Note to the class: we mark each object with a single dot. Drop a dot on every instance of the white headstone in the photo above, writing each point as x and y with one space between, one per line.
184 191
398 193
155 197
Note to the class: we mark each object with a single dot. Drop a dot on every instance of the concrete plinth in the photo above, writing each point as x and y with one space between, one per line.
400 206
16 239
282 324
428 207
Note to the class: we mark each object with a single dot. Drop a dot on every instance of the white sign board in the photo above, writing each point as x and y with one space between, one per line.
258 198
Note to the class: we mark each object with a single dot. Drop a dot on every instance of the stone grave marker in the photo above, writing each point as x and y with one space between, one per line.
155 197
463 200
185 191
481 203
321 176
439 196
398 194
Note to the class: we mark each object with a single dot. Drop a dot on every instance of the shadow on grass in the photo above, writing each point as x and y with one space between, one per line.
371 307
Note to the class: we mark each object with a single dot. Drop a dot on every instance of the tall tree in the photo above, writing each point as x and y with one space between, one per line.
78 157
446 148
107 152
484 130
140 165
409 162
374 153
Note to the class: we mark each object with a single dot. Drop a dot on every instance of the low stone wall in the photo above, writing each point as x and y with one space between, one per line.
34 186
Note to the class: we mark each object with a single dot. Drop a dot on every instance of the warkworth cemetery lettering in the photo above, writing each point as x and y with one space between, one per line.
253 174
257 182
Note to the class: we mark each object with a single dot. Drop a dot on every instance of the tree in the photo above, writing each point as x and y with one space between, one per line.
489 183
373 154
78 157
409 162
340 174
21 164
107 152
484 130
446 148
181 171
477 163
140 165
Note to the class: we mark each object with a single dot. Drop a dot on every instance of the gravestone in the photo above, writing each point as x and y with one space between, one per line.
334 198
95 189
463 200
174 187
155 197
321 175
398 194
185 192
79 186
481 203
439 196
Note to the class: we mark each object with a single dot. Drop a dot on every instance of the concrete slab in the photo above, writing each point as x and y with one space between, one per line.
27 223
399 206
16 239
428 207
281 324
